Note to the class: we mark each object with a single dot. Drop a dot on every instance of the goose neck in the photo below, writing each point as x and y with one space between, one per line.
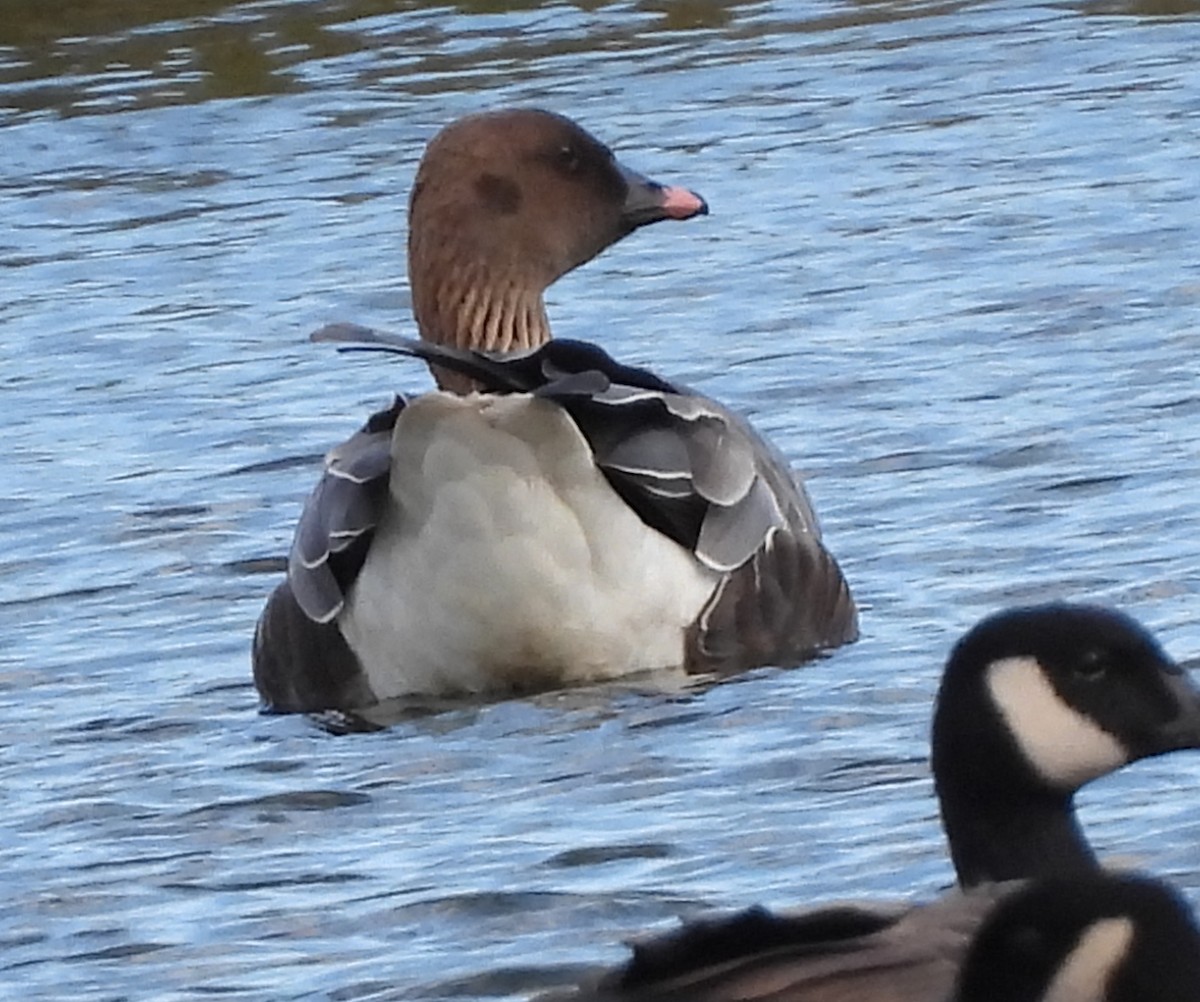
1000 834
470 308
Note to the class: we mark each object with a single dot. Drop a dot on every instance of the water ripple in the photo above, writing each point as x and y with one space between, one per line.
950 269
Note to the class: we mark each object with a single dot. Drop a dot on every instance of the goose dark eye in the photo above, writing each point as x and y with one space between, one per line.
1093 666
568 159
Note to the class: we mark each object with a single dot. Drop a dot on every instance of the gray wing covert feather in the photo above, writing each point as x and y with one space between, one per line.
340 516
301 661
702 475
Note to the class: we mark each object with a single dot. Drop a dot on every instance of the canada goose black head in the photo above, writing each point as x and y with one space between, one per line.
1034 703
1101 938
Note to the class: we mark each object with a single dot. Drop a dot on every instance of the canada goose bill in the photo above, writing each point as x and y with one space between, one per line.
1034 702
1099 938
550 517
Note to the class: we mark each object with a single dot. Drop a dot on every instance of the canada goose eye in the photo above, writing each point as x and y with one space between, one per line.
1093 666
568 159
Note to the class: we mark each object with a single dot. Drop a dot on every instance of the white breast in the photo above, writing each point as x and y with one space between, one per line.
505 561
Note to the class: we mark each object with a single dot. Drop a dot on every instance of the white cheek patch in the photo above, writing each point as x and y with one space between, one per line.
1062 745
1085 974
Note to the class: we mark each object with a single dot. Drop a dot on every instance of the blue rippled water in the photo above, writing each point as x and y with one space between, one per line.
951 267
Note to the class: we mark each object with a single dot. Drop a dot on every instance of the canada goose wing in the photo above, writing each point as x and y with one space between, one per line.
836 953
694 471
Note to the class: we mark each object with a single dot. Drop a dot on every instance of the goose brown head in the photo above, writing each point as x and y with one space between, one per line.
505 203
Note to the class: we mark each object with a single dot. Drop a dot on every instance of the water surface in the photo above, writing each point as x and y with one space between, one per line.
951 268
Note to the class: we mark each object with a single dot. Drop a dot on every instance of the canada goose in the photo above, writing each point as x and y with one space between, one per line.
1034 703
1100 938
574 531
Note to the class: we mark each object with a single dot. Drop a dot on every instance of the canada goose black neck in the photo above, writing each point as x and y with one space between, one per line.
997 836
1035 703
504 204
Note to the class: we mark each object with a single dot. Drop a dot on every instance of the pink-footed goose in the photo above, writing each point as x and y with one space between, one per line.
548 517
